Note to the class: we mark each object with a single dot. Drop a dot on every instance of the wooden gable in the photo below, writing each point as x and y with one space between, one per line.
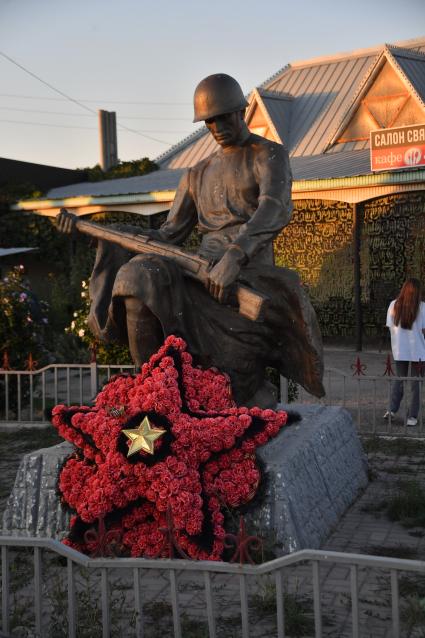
387 103
258 122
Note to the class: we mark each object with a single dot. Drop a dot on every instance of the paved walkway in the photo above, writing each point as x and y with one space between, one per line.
397 470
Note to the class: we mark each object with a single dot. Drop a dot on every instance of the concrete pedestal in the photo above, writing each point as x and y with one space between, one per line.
33 507
315 470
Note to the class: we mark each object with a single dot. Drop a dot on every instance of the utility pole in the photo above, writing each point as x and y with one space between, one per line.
108 139
357 230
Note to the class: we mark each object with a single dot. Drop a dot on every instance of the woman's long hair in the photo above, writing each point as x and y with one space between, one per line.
406 306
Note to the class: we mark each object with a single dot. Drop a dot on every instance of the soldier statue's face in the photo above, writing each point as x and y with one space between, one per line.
226 129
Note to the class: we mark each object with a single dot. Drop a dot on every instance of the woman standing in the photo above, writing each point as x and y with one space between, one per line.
406 321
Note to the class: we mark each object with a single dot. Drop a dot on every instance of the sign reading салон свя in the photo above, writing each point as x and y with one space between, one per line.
402 147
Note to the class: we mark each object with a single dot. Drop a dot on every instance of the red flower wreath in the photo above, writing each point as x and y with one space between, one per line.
203 463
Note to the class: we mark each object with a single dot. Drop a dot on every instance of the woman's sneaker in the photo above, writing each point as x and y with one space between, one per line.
389 414
412 421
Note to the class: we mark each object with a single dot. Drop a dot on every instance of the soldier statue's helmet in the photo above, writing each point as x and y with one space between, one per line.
216 95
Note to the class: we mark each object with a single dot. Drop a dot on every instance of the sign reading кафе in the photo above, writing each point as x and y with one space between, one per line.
393 148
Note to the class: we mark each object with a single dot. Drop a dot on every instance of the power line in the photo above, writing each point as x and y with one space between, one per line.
87 128
121 117
71 99
102 101
53 88
162 119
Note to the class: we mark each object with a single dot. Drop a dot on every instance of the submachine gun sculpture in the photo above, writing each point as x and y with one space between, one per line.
250 302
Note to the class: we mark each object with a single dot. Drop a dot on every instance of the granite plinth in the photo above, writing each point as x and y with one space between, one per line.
33 507
315 469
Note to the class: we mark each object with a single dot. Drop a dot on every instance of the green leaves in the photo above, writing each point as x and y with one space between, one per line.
23 320
123 169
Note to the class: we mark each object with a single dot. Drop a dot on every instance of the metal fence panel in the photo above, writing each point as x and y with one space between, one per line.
247 576
26 394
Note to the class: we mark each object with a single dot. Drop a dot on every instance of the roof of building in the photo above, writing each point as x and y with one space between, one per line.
316 96
305 105
163 180
7 252
412 65
278 107
40 175
344 164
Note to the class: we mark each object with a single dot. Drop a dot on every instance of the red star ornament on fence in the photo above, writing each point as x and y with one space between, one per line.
203 462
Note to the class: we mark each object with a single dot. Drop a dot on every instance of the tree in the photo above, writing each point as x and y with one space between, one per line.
123 169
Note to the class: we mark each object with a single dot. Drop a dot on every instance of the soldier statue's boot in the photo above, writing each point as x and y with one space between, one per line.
265 397
145 334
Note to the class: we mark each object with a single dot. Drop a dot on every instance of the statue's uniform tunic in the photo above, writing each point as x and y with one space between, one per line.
239 195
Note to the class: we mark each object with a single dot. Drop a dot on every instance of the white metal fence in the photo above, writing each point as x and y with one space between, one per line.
367 398
26 396
139 574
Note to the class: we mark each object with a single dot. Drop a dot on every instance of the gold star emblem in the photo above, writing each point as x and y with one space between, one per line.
143 437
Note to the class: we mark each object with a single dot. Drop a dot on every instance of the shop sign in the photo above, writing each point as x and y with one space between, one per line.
395 148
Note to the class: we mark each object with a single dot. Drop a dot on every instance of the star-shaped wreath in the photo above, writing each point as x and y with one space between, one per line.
203 462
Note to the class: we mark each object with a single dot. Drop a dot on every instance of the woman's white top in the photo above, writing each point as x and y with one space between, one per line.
407 345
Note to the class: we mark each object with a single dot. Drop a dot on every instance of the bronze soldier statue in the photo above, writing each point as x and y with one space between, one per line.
240 199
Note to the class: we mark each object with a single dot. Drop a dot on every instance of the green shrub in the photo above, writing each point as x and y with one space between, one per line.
408 505
23 320
105 352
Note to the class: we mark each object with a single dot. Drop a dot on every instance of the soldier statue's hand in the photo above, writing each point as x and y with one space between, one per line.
225 273
65 221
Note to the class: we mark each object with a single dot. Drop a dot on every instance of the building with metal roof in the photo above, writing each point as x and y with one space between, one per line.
316 108
346 209
8 252
38 175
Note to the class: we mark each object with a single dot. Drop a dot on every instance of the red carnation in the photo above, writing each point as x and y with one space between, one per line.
137 490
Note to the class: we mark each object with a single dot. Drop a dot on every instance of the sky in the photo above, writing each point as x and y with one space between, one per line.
62 60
